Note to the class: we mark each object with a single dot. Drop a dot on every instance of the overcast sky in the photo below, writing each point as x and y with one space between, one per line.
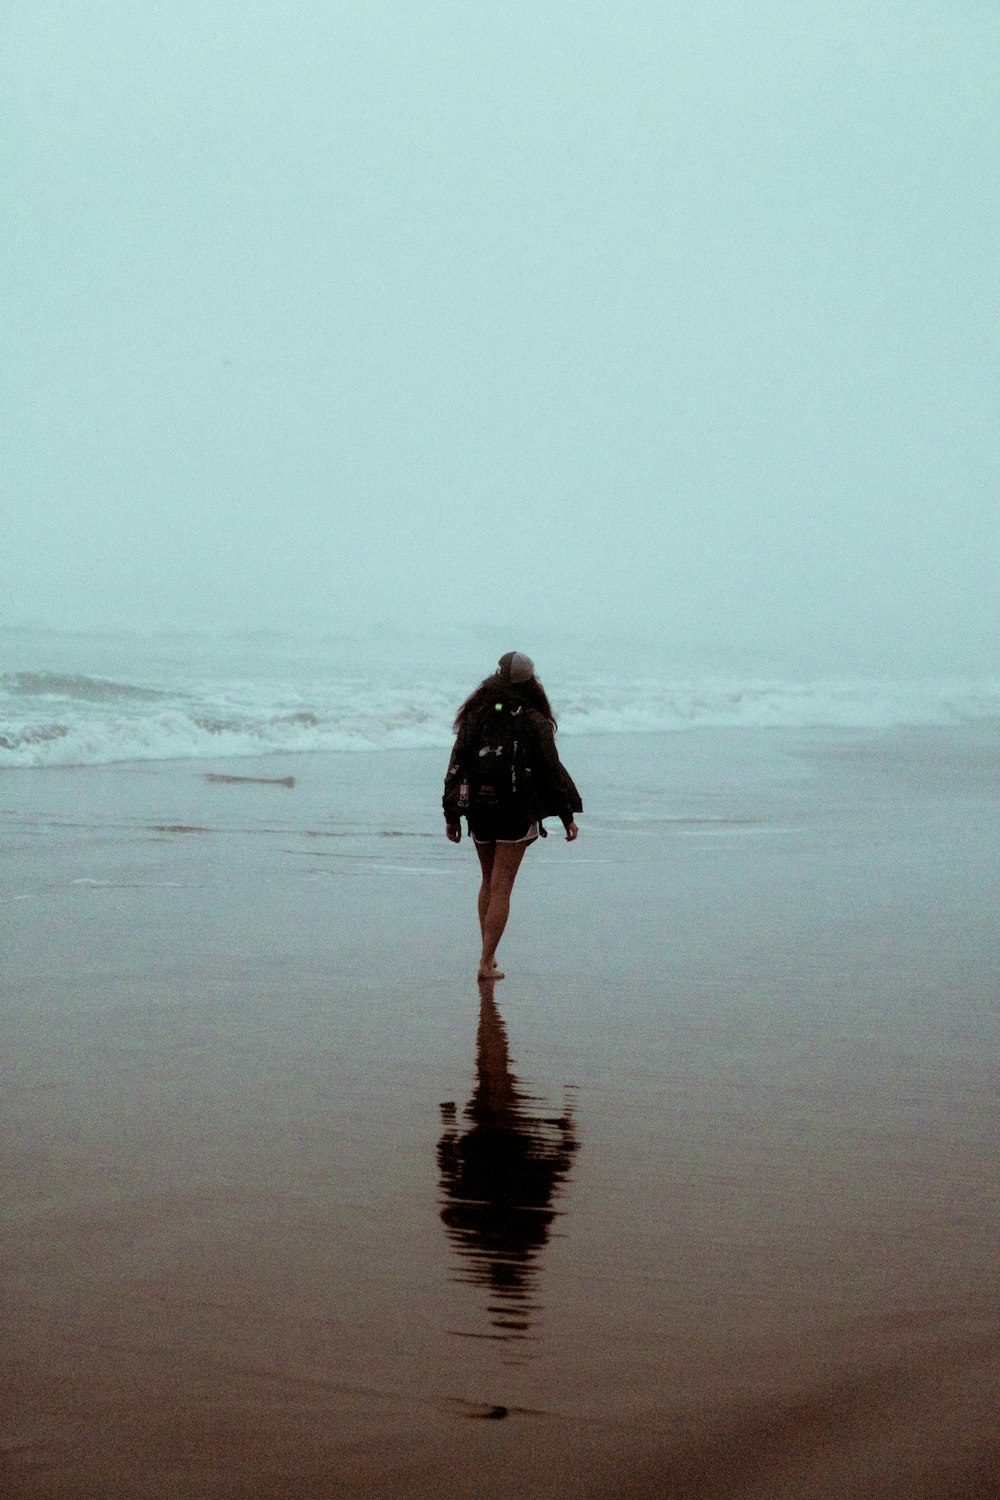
672 317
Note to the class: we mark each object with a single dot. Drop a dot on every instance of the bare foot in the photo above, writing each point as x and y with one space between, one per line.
491 973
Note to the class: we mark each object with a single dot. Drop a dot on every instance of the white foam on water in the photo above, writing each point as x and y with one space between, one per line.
137 885
179 705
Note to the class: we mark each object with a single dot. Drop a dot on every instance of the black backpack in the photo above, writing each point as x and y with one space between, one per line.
496 763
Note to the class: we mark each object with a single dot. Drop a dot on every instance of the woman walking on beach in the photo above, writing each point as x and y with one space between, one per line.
505 776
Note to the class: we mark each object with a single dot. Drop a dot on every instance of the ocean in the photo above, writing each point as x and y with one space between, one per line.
99 697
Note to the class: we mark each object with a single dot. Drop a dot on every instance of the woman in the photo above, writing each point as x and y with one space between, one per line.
505 775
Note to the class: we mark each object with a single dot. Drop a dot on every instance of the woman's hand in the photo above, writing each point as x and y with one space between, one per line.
454 832
571 832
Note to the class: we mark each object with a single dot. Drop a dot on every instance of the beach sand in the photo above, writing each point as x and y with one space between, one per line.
701 1201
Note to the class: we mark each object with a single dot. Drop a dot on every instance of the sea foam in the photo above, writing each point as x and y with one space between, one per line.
52 718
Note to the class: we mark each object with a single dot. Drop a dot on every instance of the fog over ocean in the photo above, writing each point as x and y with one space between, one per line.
350 347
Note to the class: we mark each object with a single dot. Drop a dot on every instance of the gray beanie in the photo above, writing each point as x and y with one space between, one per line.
514 666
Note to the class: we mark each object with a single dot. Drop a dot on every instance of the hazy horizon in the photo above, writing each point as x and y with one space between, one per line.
604 320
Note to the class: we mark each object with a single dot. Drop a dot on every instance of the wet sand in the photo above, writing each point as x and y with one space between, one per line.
701 1201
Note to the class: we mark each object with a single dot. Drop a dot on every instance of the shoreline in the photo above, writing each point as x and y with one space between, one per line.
972 732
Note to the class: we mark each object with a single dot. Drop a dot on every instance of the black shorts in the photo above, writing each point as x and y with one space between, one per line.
501 828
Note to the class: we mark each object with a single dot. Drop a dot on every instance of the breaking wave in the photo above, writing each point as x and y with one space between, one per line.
76 687
53 718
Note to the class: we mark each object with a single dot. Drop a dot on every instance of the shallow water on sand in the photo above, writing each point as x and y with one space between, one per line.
700 1201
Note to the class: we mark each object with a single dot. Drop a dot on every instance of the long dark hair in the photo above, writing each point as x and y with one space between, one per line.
531 692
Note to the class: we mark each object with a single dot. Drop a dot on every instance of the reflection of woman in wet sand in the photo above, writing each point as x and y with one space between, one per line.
505 775
500 1179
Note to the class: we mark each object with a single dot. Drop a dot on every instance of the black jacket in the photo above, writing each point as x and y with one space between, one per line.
551 792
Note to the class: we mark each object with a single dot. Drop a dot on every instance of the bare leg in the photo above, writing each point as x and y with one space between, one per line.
486 854
506 863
